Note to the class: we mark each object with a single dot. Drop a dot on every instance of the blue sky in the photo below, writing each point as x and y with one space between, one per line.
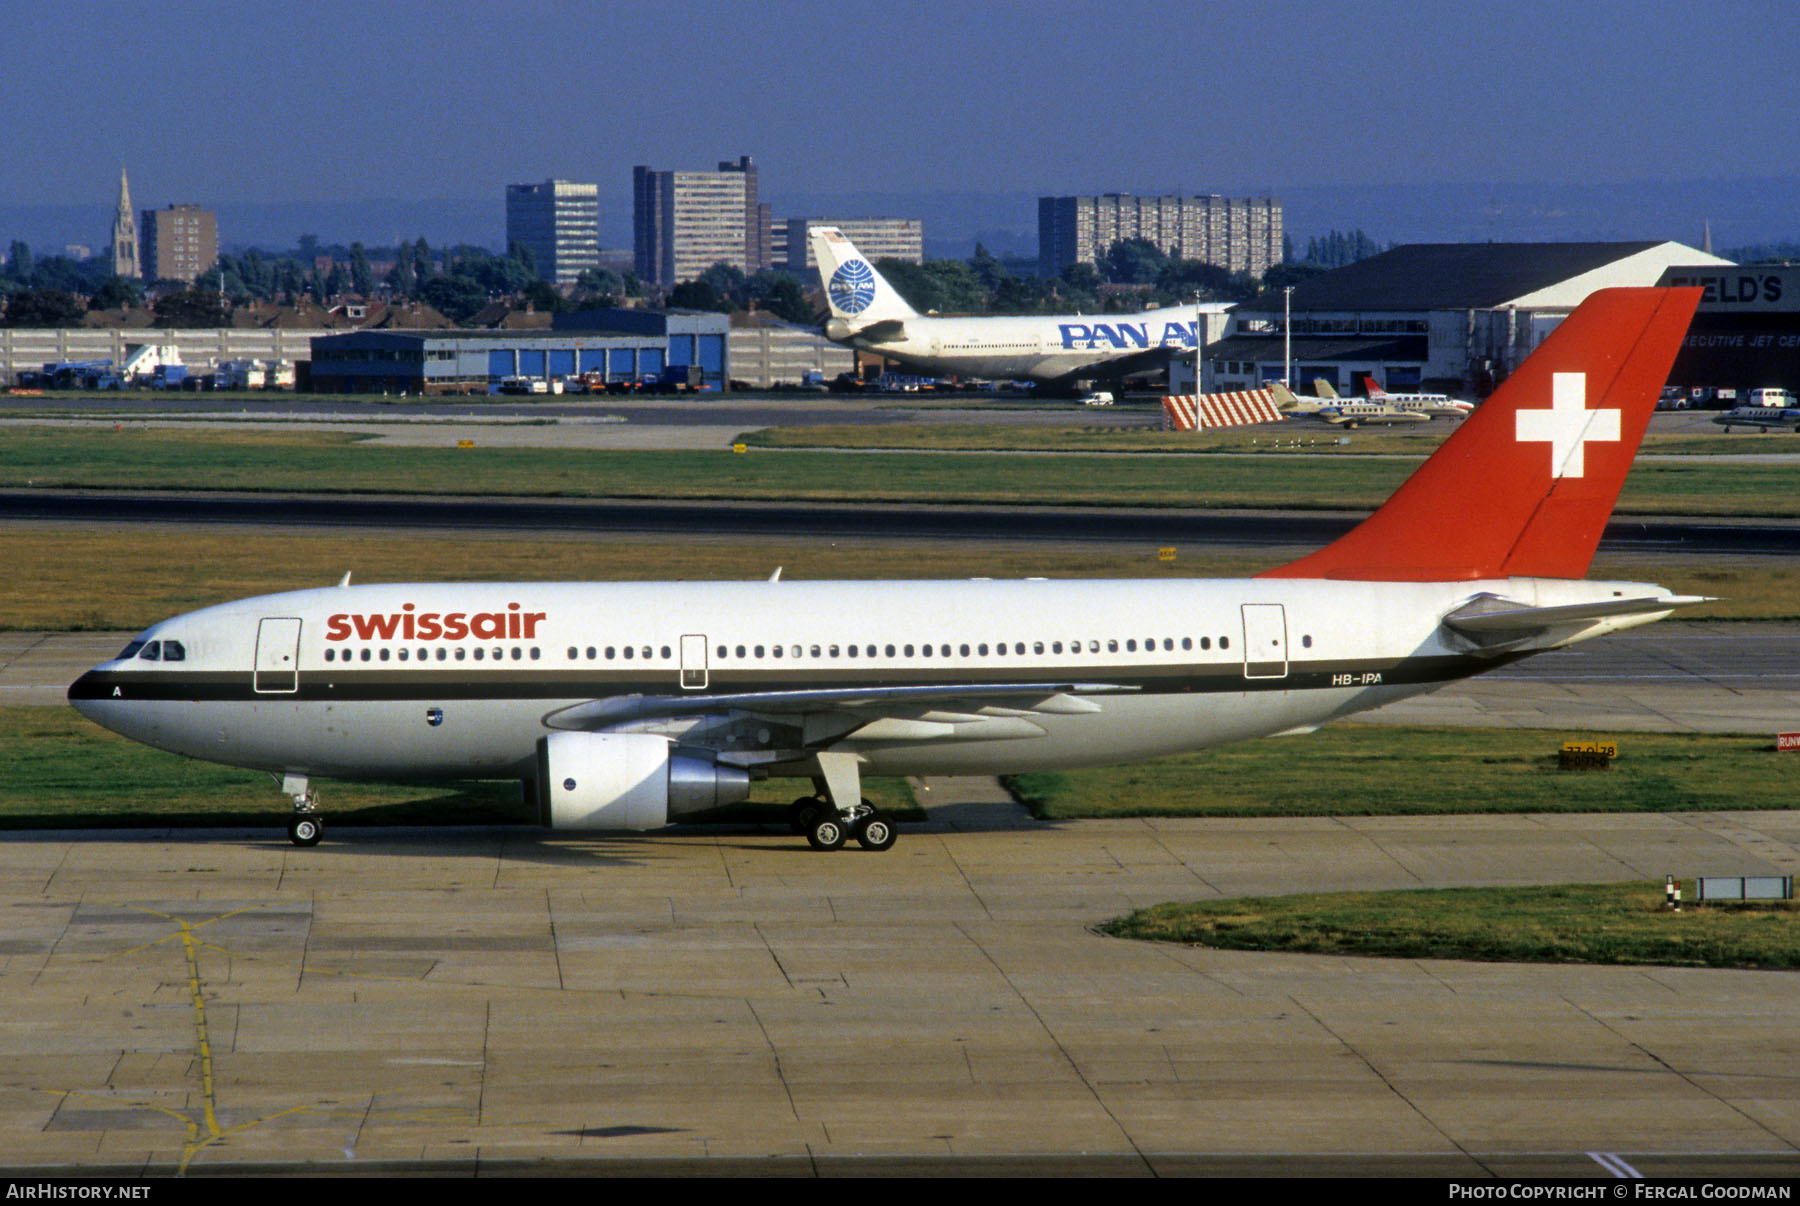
333 101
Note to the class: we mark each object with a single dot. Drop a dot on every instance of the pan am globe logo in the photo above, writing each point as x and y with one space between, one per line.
852 287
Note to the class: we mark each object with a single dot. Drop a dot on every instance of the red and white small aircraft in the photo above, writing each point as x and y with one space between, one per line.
631 705
1430 404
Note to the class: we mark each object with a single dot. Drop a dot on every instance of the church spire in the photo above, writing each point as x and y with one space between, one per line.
125 238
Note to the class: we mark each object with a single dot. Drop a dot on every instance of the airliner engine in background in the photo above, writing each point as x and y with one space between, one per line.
1061 351
631 705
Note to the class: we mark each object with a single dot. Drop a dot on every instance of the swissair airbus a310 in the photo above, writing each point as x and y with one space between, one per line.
1058 350
632 705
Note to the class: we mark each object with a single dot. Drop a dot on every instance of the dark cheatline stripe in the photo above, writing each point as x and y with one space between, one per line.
395 684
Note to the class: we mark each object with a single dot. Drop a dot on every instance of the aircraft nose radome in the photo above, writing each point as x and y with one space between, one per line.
83 691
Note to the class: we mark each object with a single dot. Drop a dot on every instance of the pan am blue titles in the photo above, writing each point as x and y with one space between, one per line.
632 705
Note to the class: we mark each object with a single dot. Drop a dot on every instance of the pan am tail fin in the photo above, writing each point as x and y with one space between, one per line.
858 295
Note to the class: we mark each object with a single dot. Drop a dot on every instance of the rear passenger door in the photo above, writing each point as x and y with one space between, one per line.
1265 640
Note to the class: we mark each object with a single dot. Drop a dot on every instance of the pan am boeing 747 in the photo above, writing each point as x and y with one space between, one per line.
1059 351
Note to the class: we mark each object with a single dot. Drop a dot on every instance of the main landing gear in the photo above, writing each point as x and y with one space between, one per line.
828 829
839 812
307 825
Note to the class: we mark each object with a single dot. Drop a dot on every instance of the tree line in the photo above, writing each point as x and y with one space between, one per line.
461 280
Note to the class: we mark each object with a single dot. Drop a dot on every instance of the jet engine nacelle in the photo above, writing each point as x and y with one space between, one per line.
627 781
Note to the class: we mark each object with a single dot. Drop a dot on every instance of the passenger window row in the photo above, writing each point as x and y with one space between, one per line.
645 653
723 653
173 651
441 653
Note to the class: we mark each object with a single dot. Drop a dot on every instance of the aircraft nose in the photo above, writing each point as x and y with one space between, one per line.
84 692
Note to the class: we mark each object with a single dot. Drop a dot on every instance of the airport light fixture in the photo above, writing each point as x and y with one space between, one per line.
1199 339
1287 337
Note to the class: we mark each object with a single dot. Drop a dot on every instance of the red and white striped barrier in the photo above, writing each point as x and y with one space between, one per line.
1191 412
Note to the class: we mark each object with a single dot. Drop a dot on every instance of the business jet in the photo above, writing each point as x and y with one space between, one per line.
633 705
1059 351
1767 409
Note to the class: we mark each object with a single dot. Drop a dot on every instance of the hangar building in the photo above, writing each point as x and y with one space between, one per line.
1746 333
1457 317
624 345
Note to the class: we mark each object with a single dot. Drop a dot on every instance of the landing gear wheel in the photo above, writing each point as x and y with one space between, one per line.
802 812
827 832
306 831
875 832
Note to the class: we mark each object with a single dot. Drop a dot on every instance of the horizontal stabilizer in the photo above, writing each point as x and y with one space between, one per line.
1493 614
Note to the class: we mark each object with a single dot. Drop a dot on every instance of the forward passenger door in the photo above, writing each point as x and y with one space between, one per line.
277 669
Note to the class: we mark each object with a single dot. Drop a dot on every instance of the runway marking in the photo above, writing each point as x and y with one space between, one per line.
208 1129
1613 1164
209 1096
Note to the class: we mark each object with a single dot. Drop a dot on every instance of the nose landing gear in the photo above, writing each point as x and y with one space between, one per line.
307 826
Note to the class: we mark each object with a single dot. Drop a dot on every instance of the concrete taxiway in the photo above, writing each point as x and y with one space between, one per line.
468 1001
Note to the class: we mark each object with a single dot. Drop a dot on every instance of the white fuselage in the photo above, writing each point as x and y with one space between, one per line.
463 680
1038 348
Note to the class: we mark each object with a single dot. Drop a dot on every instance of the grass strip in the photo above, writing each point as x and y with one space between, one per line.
1297 438
62 772
1004 437
157 458
1381 770
1574 923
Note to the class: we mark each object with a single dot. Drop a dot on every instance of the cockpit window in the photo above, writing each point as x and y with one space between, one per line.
130 651
174 651
151 652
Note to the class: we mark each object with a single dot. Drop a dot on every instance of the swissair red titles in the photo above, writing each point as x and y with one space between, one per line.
409 624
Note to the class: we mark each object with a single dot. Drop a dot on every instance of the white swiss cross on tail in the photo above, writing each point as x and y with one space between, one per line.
1567 426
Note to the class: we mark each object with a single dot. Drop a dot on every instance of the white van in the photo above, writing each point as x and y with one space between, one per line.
1770 397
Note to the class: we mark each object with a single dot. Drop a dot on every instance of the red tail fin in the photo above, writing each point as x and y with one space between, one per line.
1525 485
1372 389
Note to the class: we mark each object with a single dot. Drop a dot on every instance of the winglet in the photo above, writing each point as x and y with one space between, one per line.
1525 485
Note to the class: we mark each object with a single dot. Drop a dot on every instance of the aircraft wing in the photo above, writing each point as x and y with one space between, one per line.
1113 368
971 711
